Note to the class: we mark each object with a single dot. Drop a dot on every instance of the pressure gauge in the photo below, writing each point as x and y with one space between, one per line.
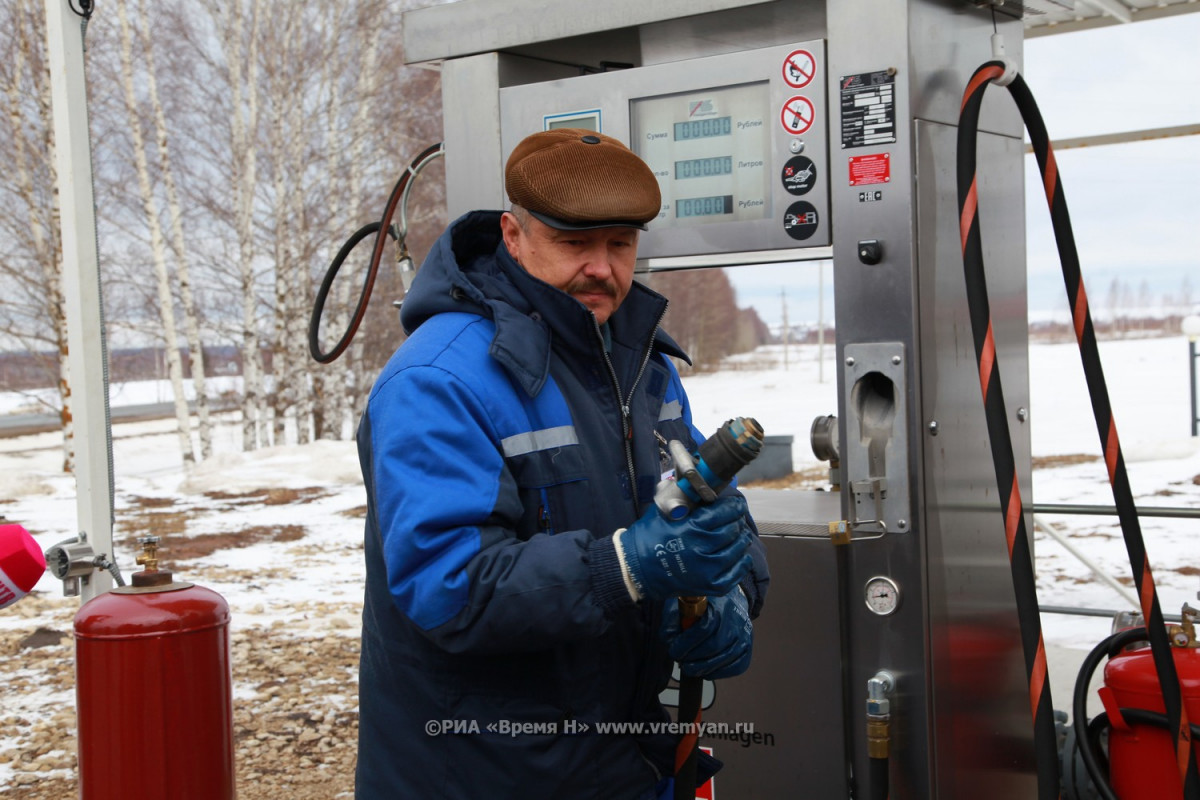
882 595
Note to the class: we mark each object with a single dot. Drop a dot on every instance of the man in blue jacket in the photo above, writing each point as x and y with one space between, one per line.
520 582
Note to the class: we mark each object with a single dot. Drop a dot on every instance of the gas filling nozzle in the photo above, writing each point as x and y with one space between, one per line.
701 476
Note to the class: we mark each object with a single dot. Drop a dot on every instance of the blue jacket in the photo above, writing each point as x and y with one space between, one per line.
496 470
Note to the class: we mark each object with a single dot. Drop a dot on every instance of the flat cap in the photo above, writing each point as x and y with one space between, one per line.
575 179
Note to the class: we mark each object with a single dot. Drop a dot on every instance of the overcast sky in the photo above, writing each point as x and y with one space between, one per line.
1135 207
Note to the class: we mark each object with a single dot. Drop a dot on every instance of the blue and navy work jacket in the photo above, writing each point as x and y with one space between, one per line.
497 629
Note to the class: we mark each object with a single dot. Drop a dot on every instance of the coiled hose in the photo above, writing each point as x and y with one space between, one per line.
397 199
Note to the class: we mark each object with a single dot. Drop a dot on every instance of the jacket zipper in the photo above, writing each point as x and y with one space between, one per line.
626 413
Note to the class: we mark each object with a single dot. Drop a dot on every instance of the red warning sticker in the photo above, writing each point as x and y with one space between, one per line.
797 115
875 168
799 68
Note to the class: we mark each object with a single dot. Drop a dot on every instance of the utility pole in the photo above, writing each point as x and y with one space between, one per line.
87 354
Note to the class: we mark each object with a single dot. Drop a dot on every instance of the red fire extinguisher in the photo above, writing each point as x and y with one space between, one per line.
1141 750
154 690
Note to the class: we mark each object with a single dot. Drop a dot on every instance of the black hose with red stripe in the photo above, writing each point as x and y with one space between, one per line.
382 230
1001 441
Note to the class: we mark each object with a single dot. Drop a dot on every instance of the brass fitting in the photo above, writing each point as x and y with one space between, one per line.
1184 634
878 736
151 575
149 555
692 608
879 713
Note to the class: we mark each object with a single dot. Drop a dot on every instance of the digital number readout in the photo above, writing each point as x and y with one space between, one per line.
703 128
704 206
703 167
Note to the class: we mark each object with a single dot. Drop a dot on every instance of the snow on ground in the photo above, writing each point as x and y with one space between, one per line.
1148 383
304 504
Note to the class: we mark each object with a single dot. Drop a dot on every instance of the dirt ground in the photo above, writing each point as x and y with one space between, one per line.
293 736
295 678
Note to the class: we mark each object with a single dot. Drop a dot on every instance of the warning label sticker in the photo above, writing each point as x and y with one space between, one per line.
799 68
797 115
868 109
875 168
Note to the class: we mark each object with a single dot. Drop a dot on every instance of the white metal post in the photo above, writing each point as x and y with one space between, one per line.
81 284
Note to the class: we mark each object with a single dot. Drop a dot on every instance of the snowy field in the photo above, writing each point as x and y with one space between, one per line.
301 571
1148 383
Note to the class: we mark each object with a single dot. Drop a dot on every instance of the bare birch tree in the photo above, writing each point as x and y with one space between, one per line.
183 269
158 247
243 79
34 313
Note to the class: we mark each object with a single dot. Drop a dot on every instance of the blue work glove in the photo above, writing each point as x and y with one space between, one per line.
705 553
718 644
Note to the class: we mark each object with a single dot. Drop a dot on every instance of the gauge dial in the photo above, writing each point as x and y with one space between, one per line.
882 595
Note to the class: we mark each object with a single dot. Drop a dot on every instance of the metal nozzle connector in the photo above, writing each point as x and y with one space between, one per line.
879 716
149 554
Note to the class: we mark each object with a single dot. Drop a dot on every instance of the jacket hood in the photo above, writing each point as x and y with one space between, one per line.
470 270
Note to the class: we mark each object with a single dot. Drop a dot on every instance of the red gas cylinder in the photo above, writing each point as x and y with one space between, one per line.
1142 763
154 691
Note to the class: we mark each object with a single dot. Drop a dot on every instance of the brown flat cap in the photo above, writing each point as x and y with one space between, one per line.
575 179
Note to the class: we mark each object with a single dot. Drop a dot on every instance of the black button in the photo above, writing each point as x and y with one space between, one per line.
589 139
870 251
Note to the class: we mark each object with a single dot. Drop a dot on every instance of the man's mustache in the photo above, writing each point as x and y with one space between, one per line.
590 286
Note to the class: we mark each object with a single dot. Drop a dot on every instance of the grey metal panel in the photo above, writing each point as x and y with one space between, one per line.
981 717
471 131
932 46
949 44
748 28
792 693
523 109
467 27
877 303
875 451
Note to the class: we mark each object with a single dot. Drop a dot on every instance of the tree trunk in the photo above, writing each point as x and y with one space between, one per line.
183 270
243 77
166 300
27 59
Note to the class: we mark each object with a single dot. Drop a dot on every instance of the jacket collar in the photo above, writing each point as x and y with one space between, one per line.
470 269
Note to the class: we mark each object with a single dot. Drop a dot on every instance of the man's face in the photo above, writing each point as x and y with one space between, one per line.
595 266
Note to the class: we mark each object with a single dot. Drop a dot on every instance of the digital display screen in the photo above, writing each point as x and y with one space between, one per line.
704 206
709 149
704 167
703 128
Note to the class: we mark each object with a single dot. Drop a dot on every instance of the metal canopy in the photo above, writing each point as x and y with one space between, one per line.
1045 17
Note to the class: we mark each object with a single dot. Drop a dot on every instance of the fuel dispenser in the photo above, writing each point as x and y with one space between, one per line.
899 654
888 656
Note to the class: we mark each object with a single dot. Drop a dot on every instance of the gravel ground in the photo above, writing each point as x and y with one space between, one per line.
295 704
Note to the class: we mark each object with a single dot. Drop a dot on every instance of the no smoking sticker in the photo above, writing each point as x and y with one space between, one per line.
797 114
799 68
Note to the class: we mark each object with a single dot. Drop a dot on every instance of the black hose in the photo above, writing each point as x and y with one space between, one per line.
1085 334
1093 760
691 692
1142 716
314 345
1020 560
998 431
384 224
878 777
